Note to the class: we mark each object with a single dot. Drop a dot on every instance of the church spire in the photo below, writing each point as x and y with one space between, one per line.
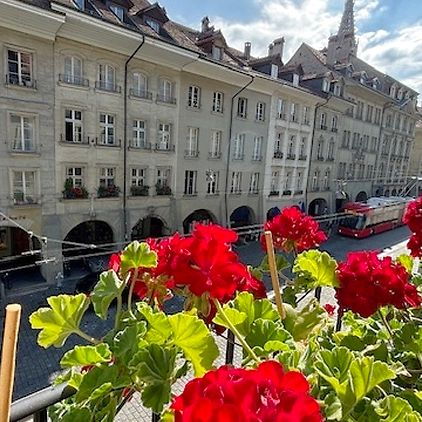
347 26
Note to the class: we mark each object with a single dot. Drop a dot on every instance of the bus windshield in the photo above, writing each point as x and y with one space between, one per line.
356 222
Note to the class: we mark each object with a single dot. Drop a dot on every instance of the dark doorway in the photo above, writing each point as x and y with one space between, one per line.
148 227
198 216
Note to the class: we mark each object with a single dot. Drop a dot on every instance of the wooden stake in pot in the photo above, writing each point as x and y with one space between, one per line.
274 274
8 359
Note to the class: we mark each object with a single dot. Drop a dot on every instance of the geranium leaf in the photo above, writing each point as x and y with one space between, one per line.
316 269
76 414
60 320
235 317
301 323
105 291
365 374
158 327
332 409
137 255
155 367
86 355
333 366
406 261
395 409
193 337
264 334
128 341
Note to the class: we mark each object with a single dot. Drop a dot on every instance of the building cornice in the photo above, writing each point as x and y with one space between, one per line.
30 19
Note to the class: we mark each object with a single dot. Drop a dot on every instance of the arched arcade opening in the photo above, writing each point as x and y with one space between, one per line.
150 226
202 216
317 207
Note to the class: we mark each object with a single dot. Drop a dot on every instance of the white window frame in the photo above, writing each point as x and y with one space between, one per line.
218 102
302 147
27 197
242 107
73 75
140 84
139 133
163 176
257 148
138 176
19 130
194 97
294 115
153 24
20 77
275 181
323 121
76 124
239 146
107 129
274 71
260 112
291 150
236 182
217 52
164 136
191 179
107 177
76 175
281 105
118 11
212 182
107 76
216 137
192 142
254 183
306 115
299 180
166 89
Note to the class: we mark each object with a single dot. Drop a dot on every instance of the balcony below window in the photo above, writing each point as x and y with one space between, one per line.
214 155
22 82
162 190
274 193
236 192
330 158
108 191
111 144
143 145
257 158
75 193
278 154
140 93
291 156
73 80
74 141
254 192
303 157
287 192
108 87
166 99
191 153
238 157
164 148
323 127
334 129
320 158
281 116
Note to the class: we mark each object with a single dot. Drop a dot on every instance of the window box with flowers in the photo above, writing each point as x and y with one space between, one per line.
162 190
74 192
139 190
111 191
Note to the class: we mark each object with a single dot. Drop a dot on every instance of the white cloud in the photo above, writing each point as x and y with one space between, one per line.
313 21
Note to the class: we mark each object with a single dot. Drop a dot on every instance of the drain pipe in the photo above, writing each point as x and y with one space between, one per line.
226 206
125 217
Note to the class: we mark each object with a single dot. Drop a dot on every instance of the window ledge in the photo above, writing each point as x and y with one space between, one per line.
194 109
21 88
75 144
25 153
217 113
106 92
74 86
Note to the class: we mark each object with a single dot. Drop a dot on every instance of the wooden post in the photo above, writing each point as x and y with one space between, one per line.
274 274
8 359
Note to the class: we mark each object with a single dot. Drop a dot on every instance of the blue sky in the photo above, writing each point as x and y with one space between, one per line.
389 31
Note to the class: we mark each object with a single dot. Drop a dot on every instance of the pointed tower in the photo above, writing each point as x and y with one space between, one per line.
343 45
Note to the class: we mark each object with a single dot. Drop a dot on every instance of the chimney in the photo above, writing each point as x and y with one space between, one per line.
248 47
277 48
205 24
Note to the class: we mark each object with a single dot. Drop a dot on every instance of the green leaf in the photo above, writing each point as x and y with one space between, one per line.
77 414
193 337
128 342
332 409
235 317
406 261
395 409
59 321
268 336
281 263
301 323
155 367
86 355
108 288
316 269
137 255
158 325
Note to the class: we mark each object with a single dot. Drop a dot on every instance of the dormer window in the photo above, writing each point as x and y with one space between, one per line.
217 53
400 94
274 71
337 90
295 79
80 4
393 91
118 11
325 85
153 24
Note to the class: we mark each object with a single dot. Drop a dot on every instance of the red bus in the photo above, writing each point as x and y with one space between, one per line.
374 216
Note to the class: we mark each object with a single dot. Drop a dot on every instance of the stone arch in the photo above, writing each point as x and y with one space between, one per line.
242 216
149 226
318 206
387 192
272 212
362 196
202 216
394 192
378 192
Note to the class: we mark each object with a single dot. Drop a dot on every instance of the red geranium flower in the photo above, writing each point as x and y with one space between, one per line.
413 218
330 309
293 231
368 283
264 394
115 262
